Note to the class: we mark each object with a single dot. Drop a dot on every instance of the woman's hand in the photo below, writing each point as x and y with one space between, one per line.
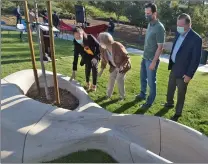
121 69
94 61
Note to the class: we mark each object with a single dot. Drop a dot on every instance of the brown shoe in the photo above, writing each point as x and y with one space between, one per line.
87 87
93 87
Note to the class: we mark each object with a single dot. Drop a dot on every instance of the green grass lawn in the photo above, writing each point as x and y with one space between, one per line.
90 156
16 57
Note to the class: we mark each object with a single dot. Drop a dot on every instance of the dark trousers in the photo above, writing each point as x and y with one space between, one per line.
182 88
18 20
90 65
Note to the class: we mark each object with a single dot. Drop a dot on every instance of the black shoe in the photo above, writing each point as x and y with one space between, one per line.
139 97
168 105
145 106
175 117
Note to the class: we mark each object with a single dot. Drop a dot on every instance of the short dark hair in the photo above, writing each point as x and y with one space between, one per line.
186 17
152 6
77 29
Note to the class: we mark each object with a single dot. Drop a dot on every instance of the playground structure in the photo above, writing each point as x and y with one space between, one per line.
37 132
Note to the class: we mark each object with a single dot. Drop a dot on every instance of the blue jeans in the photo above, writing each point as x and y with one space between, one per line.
148 76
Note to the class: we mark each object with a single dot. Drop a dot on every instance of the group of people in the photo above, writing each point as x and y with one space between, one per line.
32 17
183 62
55 17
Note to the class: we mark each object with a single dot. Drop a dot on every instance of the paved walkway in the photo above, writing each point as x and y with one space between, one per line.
165 58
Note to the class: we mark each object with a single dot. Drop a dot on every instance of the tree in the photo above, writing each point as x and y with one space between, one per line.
67 9
7 7
117 7
135 14
199 17
168 14
66 6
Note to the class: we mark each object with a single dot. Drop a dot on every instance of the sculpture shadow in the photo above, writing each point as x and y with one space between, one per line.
125 106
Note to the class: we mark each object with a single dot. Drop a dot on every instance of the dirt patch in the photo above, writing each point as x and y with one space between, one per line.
9 20
68 101
127 34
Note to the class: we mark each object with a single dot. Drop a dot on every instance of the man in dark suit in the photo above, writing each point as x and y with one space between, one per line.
56 21
111 26
183 62
18 14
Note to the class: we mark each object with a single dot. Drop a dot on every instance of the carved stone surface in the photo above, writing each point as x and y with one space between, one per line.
37 132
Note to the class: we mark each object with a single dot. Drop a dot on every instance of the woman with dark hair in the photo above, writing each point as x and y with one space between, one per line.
88 47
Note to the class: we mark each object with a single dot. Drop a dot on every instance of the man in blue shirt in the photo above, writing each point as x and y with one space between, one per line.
178 45
183 62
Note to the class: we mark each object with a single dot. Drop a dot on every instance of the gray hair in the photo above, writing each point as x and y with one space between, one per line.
105 38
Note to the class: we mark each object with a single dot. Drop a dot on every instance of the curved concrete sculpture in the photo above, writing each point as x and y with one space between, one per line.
37 132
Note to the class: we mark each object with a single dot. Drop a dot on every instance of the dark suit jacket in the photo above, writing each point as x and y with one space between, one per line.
188 55
55 19
91 42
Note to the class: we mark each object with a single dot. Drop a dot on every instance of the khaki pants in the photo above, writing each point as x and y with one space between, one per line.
115 75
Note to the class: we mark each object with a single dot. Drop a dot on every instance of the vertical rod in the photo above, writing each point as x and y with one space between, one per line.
41 50
40 39
36 12
53 51
31 47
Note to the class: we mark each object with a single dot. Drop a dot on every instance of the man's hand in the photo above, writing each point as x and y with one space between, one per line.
186 79
100 73
73 75
152 66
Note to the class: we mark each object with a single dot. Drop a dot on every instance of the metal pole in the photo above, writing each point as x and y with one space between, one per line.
42 64
53 51
41 53
31 47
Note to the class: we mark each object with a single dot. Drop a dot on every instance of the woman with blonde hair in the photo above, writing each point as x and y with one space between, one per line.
115 54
